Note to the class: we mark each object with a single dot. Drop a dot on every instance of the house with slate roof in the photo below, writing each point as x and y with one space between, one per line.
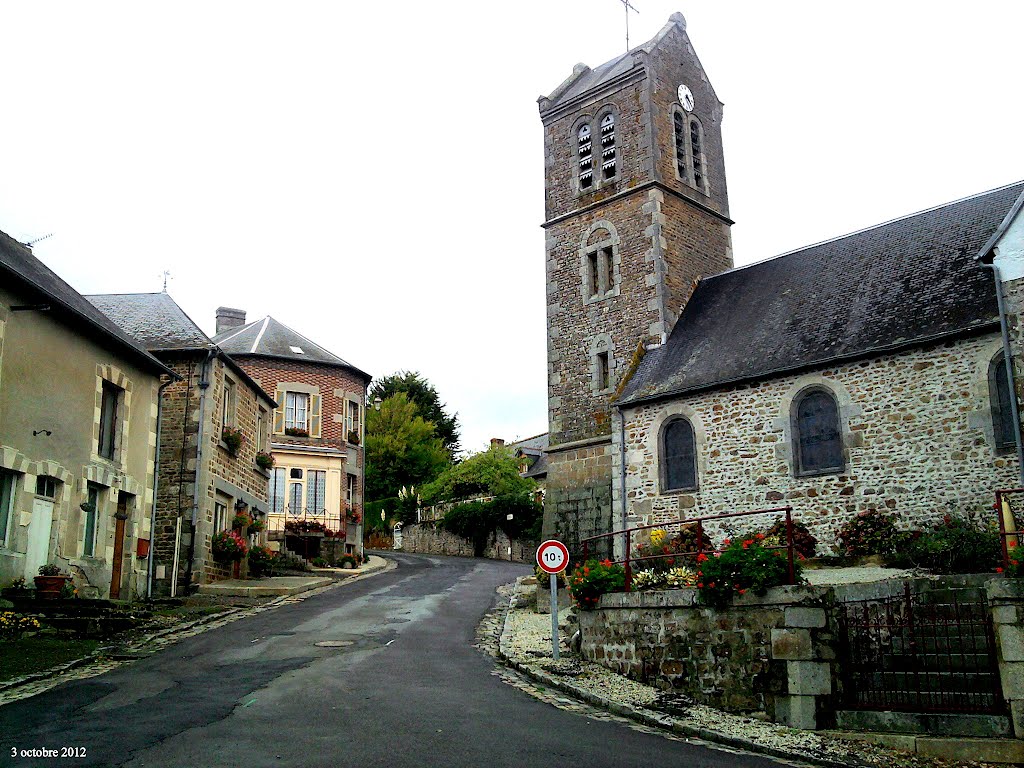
79 408
317 429
865 372
204 479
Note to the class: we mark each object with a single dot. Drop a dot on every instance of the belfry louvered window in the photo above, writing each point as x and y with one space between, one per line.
585 152
817 434
680 126
697 154
608 146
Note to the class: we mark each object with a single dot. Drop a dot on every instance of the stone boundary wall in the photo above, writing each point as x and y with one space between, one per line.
780 652
424 539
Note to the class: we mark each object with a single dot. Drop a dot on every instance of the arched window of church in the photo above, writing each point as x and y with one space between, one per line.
1002 405
608 146
585 153
680 129
697 154
817 434
678 456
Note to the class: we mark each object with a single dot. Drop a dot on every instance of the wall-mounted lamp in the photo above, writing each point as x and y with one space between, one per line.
241 506
37 432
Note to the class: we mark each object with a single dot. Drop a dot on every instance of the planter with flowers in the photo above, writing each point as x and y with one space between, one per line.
264 461
296 432
745 565
242 520
592 579
232 439
50 582
229 546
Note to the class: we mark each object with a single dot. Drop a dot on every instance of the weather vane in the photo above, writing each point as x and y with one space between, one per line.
627 8
166 275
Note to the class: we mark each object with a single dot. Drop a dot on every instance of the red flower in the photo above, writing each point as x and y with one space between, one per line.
999 570
727 542
712 585
747 543
700 585
760 537
743 591
701 557
606 562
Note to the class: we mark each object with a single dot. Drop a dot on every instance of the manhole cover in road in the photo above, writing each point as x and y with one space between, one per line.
334 643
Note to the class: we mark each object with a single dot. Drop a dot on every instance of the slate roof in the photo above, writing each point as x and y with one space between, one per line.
902 283
271 338
535 449
155 319
18 264
584 79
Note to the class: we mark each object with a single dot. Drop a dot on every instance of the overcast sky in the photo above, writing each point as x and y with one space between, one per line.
370 173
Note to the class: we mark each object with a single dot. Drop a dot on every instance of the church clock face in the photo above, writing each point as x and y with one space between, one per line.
685 98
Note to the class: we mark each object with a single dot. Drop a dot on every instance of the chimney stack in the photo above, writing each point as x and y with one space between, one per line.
497 442
228 318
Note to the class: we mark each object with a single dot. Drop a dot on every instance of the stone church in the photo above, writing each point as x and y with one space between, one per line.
865 372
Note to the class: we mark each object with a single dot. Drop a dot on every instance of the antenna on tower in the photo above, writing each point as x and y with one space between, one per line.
30 243
627 8
166 276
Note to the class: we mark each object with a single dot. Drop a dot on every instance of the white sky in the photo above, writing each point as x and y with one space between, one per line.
370 173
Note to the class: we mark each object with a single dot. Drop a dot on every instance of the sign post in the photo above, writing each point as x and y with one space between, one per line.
553 557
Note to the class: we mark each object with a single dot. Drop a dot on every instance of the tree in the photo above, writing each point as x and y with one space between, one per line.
424 395
402 448
494 472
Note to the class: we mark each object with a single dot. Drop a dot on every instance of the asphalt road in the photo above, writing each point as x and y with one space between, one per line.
410 690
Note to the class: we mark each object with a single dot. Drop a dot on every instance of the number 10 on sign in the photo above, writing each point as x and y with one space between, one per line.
553 557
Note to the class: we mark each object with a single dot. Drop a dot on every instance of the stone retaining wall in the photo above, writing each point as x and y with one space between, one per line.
424 539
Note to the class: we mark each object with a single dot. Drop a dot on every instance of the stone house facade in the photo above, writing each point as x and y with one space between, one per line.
866 372
636 210
202 482
316 431
79 403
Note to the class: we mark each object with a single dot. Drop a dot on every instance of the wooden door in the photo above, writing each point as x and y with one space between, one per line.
122 516
39 526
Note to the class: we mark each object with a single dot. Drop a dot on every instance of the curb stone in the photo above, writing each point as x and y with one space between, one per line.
647 718
231 614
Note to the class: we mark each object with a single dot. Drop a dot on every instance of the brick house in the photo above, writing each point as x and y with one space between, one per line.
79 405
317 430
866 372
202 481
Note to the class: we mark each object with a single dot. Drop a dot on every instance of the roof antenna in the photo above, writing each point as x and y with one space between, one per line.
627 8
30 243
166 276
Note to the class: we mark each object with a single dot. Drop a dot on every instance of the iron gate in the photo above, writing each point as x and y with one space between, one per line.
920 652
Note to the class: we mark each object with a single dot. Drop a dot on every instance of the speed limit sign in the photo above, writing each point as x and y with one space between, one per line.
552 556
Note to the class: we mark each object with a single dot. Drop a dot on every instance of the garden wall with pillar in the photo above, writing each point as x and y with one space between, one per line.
1006 601
770 652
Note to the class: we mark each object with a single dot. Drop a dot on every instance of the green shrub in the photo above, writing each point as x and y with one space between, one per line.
869 533
804 542
955 545
263 561
593 579
744 565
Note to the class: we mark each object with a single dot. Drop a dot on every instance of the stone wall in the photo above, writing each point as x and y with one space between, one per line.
424 539
720 657
917 433
578 497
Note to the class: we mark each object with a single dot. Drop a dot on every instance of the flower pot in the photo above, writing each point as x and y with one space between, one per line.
49 587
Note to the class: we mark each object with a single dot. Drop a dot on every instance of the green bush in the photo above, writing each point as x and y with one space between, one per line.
593 579
263 561
804 542
955 545
478 520
869 533
744 564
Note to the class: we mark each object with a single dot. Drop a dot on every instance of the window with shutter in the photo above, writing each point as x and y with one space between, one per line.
314 416
608 146
678 456
817 435
1002 405
279 396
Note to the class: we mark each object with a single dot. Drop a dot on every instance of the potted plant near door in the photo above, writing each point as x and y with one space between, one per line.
50 582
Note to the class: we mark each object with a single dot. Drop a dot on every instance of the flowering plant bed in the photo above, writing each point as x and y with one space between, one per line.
743 565
263 561
228 546
13 626
592 579
869 533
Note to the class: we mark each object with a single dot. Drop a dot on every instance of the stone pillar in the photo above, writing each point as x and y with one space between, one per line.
1006 604
805 644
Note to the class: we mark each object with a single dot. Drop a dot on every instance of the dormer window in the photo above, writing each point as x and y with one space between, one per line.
585 151
608 146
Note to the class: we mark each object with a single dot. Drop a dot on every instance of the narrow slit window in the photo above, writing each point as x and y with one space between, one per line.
603 372
608 146
593 278
697 155
677 120
585 152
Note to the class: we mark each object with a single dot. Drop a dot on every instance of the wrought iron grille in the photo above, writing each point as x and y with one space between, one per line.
920 652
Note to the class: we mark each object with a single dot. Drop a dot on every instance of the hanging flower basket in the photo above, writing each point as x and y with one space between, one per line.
241 520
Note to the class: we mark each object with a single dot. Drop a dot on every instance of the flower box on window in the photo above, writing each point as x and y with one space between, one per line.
264 460
296 432
232 439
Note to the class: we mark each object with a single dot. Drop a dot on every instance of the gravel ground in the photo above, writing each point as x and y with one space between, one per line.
526 642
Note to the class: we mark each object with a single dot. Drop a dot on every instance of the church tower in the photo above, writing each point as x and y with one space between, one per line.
636 210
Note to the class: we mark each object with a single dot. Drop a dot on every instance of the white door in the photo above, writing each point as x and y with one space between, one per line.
38 552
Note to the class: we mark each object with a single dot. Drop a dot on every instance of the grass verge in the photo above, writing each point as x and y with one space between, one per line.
39 653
